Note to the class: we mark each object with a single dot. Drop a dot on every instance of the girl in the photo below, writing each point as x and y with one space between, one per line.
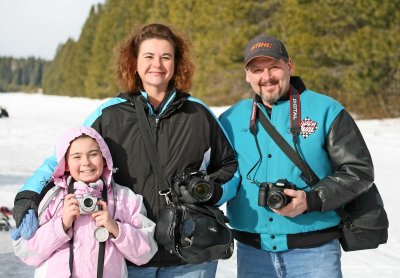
74 217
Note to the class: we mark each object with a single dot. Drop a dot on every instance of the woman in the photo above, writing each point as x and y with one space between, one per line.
153 67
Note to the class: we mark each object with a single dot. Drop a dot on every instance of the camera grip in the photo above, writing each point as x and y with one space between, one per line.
262 196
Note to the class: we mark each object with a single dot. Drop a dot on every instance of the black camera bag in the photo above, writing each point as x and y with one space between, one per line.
364 223
210 238
195 234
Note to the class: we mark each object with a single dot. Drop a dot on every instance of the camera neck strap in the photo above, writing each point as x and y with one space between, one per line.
102 245
162 182
307 175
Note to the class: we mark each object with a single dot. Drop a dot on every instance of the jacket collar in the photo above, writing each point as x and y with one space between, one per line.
174 99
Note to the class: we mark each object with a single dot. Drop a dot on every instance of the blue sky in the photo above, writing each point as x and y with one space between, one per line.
37 27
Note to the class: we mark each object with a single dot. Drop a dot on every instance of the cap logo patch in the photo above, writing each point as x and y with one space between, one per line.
308 127
261 44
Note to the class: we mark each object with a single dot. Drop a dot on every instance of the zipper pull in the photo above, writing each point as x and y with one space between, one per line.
157 121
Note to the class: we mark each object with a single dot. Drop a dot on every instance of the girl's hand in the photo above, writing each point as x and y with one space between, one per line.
103 218
70 211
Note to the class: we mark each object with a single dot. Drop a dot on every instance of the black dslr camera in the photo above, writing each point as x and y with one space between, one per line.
198 187
271 194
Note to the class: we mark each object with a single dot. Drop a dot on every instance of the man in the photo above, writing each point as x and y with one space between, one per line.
291 233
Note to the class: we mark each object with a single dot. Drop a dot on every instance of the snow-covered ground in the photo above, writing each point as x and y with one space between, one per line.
36 121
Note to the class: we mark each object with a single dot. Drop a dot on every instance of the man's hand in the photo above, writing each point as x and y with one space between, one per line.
297 205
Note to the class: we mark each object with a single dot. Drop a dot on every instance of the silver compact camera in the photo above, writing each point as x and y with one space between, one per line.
87 204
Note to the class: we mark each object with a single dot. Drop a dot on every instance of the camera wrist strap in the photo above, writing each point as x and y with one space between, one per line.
162 183
102 245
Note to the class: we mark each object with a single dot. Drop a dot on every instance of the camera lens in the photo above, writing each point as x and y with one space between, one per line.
200 189
88 202
276 200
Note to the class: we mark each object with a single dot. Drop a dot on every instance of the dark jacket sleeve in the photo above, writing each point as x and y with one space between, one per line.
353 171
223 166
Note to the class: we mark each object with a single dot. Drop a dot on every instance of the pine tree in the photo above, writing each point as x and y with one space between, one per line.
346 49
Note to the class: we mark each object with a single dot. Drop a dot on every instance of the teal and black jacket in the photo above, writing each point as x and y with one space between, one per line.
331 144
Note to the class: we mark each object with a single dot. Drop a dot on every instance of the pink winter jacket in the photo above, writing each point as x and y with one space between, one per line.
48 249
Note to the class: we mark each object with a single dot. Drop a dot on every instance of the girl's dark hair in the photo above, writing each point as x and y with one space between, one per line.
127 53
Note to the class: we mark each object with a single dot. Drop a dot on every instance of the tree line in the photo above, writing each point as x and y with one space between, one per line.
345 49
22 74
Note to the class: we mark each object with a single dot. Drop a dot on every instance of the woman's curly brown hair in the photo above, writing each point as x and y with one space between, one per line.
127 53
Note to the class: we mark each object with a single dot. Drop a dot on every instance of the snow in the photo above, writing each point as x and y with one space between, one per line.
27 137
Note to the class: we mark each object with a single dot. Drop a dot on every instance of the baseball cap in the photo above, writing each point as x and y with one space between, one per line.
264 46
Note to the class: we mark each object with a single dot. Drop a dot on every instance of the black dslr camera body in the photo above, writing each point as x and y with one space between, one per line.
200 189
87 204
271 194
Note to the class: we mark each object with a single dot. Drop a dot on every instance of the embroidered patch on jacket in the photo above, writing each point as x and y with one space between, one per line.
308 127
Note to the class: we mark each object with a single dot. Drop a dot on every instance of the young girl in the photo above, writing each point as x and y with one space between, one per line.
74 218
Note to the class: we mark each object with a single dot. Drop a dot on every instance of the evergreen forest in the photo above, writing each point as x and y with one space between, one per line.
21 74
346 49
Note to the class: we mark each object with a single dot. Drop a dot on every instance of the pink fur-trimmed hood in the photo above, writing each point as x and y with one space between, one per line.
64 142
